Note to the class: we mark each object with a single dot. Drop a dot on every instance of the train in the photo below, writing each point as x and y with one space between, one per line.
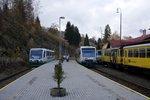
98 56
39 56
129 56
87 55
133 56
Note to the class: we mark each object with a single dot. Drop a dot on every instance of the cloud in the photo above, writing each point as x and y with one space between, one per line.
90 15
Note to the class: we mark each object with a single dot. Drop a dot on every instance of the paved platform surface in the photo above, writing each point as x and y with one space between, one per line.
80 83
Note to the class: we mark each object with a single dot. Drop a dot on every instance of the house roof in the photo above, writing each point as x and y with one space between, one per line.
105 46
138 40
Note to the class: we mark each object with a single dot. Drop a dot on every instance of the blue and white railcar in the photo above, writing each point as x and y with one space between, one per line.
39 56
87 54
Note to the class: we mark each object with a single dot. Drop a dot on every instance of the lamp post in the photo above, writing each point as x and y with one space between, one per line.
119 11
101 34
60 49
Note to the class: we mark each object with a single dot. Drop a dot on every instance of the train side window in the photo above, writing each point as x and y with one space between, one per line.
135 52
130 53
99 53
109 53
118 53
125 53
142 53
121 52
50 54
105 53
44 54
148 52
47 53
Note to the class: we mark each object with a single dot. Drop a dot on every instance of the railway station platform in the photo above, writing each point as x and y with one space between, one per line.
80 83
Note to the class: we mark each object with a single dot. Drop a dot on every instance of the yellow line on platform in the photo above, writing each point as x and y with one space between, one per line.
1 89
148 98
130 89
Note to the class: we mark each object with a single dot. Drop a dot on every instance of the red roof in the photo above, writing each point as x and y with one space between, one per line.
141 39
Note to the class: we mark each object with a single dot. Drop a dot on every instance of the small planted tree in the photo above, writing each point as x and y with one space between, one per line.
58 77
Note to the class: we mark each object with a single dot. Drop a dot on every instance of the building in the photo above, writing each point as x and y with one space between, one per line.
145 38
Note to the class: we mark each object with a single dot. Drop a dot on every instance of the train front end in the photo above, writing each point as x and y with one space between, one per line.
36 57
88 55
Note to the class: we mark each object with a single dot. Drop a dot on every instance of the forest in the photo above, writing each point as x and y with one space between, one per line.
20 30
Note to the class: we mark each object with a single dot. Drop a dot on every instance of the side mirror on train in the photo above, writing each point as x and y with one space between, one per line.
58 77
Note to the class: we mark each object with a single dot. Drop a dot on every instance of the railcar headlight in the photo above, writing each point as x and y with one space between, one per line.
40 61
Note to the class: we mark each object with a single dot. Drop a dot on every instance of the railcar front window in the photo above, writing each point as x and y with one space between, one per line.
36 54
88 52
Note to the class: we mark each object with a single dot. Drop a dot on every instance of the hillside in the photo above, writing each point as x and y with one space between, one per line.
20 30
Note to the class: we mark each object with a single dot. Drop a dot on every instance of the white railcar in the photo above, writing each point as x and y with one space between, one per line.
87 55
39 56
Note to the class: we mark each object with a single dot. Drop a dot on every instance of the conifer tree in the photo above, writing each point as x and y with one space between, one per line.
107 34
37 23
86 40
99 44
72 34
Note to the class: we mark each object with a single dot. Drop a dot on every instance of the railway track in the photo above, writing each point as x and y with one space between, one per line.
132 81
7 80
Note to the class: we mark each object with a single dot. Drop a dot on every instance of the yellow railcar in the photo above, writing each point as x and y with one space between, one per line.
106 55
137 56
110 56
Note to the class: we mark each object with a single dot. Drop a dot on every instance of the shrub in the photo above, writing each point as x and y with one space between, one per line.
59 74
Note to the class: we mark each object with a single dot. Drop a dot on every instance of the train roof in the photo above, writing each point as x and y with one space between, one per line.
138 45
145 38
41 49
87 47
111 48
99 50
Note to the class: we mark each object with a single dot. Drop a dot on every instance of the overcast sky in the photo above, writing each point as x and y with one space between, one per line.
90 16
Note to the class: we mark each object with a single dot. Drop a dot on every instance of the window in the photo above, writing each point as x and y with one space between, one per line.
118 53
105 53
148 52
44 54
47 53
121 52
99 53
88 52
130 53
125 53
36 54
135 52
109 53
142 53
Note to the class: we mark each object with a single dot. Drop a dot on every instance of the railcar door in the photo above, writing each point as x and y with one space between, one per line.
121 55
125 58
114 56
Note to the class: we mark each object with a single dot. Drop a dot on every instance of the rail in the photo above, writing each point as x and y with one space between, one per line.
143 89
